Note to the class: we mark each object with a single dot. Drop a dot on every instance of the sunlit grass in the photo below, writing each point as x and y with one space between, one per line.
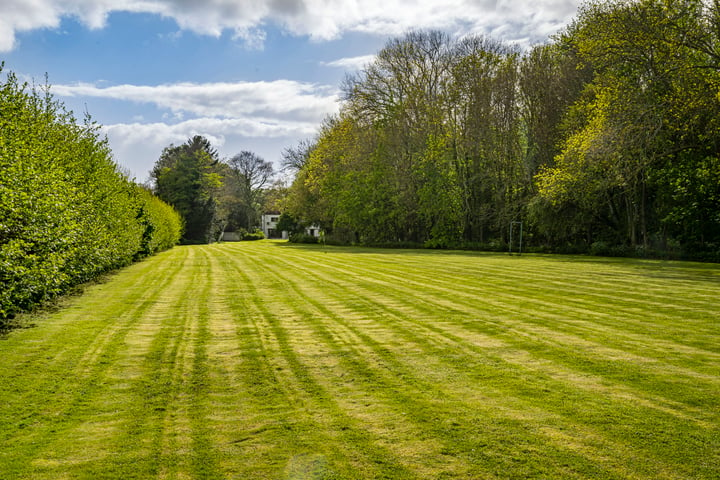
267 360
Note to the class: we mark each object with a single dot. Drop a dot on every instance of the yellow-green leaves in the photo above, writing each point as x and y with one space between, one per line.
66 213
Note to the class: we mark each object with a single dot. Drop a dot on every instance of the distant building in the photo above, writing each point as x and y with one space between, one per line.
268 224
230 237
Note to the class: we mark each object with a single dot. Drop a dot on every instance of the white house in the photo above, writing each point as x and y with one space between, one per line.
268 224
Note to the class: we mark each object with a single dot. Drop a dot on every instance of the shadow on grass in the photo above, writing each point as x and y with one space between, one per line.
653 268
361 249
10 325
25 319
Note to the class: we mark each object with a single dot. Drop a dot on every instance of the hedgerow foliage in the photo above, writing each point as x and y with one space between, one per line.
67 213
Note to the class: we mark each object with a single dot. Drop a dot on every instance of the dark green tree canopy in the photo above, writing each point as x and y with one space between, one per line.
213 195
609 135
186 177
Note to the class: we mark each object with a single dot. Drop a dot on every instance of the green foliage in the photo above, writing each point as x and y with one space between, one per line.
288 223
255 235
302 237
162 224
66 212
439 194
211 195
640 158
427 148
608 134
186 178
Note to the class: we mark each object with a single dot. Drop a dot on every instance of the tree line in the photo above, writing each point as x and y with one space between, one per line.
213 194
604 139
67 213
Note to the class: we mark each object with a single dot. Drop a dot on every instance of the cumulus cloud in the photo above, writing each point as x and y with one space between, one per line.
214 128
318 19
230 115
137 146
272 99
274 113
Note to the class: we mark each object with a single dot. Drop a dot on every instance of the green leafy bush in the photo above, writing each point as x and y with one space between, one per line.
256 235
162 224
302 238
67 213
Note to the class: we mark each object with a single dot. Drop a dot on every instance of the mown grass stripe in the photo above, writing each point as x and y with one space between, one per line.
262 360
407 402
396 369
326 343
517 312
525 283
85 354
663 354
603 309
291 270
304 393
521 327
152 386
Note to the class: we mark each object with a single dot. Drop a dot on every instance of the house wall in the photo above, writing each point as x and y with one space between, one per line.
231 237
269 222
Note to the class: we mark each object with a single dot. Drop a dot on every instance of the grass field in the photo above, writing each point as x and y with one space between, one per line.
267 360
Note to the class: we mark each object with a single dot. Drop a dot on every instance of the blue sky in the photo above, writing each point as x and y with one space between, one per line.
254 75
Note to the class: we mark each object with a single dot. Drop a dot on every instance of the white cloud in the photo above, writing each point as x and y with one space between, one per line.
318 19
233 116
21 15
279 99
261 116
351 63
137 146
215 128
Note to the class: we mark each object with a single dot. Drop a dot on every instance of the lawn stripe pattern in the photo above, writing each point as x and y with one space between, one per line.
270 360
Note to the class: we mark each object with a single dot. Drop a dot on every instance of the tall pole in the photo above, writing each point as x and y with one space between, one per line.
510 240
512 224
520 245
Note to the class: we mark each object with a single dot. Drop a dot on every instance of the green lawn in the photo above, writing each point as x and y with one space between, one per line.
268 360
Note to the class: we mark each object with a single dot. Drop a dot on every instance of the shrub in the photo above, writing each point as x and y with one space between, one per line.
256 235
302 238
67 214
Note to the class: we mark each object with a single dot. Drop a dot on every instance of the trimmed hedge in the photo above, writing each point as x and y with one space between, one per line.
67 213
256 235
302 238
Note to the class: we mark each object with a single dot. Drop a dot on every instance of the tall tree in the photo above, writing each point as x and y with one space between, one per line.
486 125
251 175
399 99
187 177
295 158
609 133
647 125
